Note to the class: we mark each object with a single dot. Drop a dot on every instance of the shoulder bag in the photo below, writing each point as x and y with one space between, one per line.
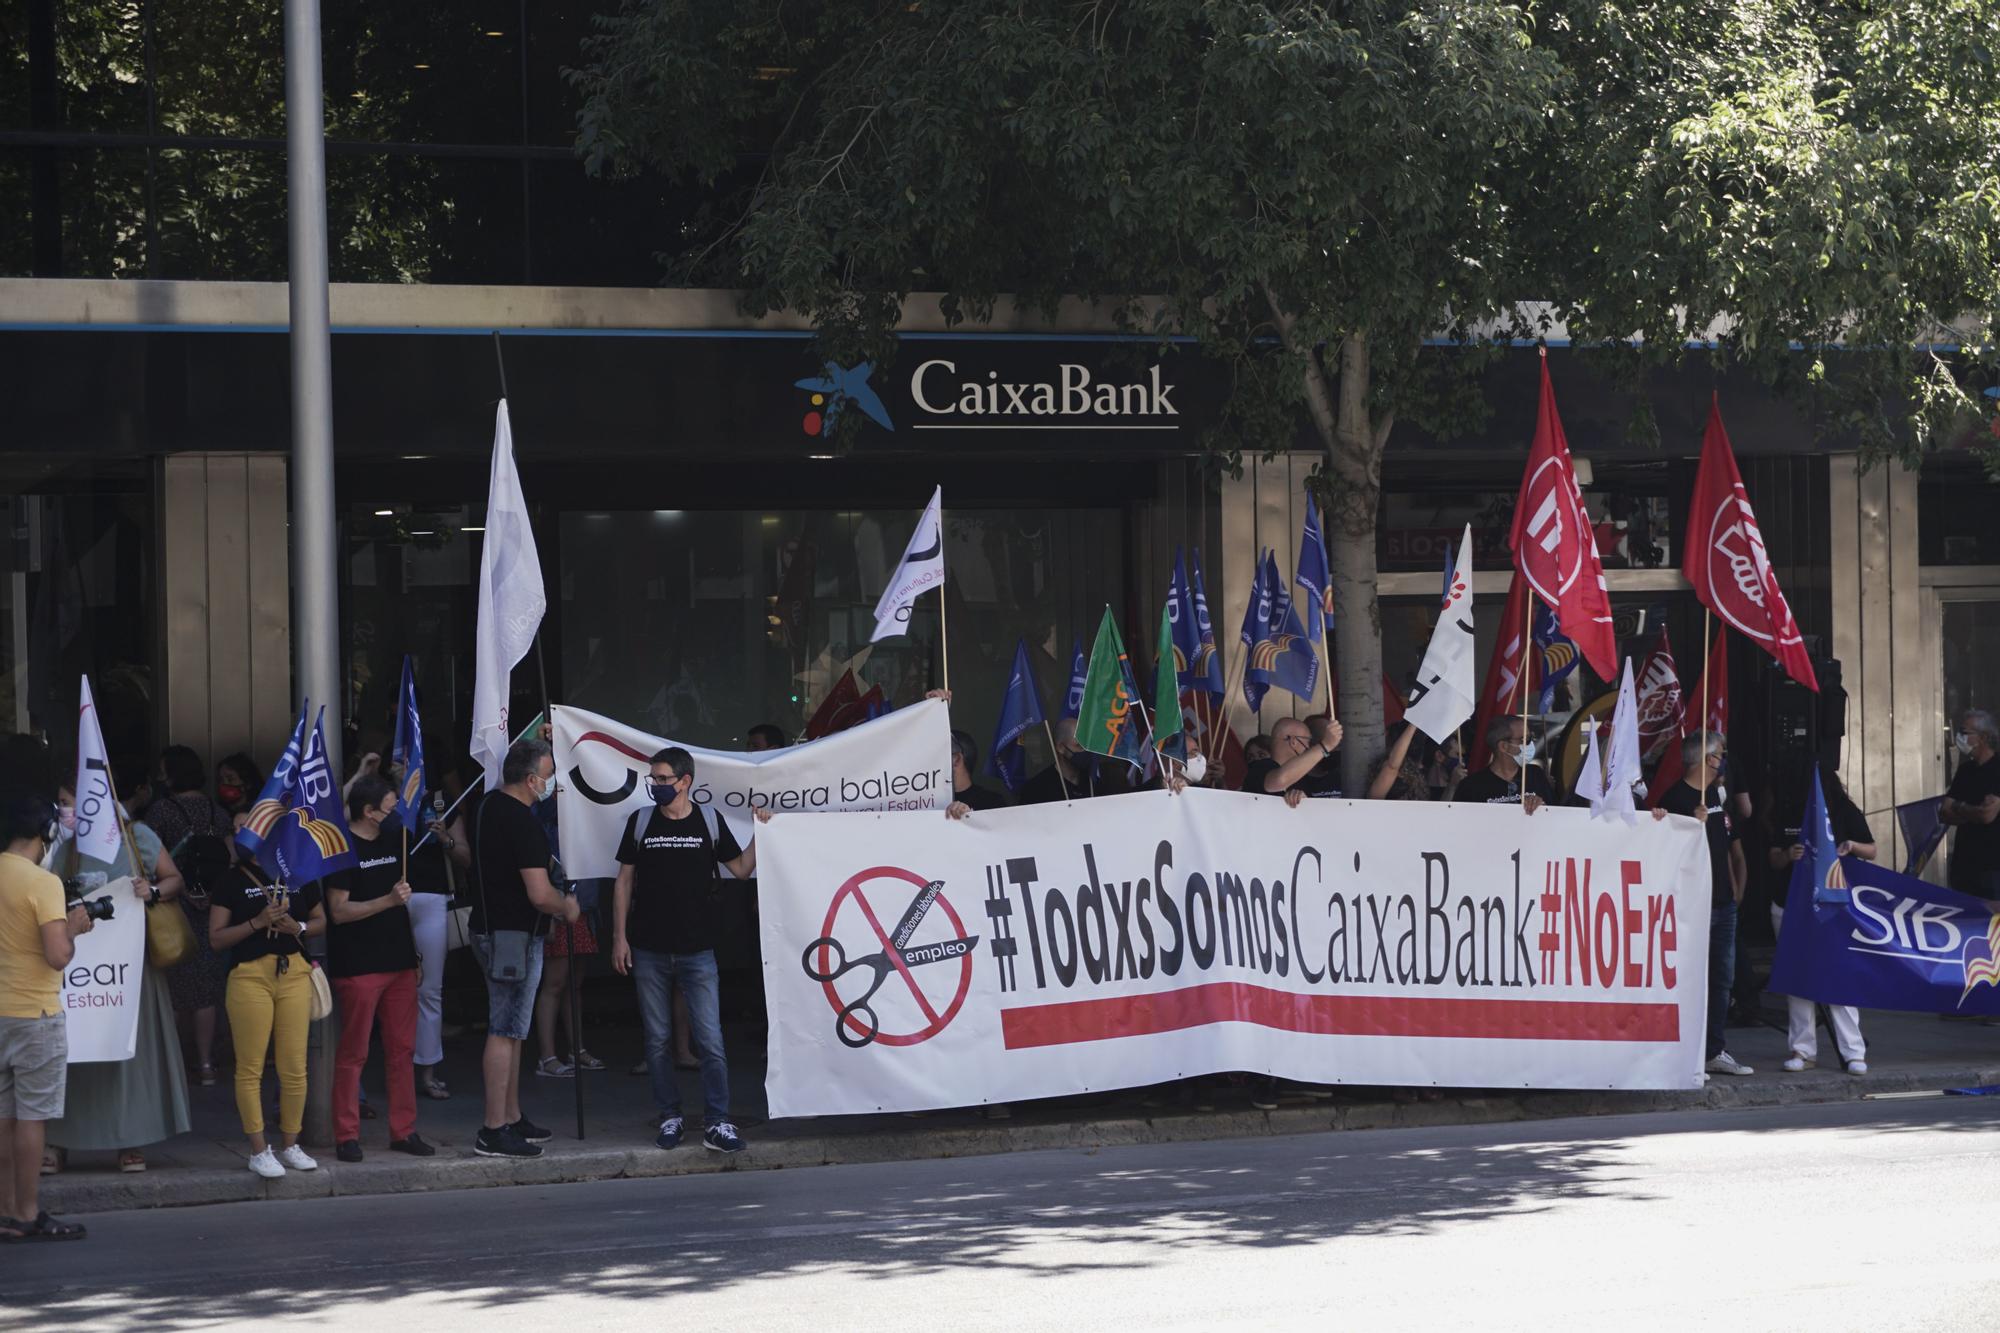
506 950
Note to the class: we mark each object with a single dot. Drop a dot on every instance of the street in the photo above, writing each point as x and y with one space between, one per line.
1858 1215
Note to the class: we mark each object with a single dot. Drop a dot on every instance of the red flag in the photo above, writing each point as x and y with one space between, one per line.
1392 702
1723 556
1662 711
844 696
1555 544
1505 672
1671 768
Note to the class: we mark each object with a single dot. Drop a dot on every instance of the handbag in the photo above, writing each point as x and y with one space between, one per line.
169 938
322 1001
506 950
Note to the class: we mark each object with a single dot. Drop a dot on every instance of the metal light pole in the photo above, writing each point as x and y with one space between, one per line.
315 590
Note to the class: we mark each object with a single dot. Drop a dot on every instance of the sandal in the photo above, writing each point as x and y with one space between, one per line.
45 1227
435 1090
585 1060
131 1159
54 1160
205 1075
13 1229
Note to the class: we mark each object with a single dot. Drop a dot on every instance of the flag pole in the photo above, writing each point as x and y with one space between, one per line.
944 636
1701 724
1527 646
1055 756
1326 660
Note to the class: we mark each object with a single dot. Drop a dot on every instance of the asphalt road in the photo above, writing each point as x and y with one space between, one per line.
1861 1215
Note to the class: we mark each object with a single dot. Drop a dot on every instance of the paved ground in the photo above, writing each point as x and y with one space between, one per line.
1862 1215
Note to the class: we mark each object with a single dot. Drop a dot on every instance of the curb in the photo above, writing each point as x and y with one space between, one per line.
176 1187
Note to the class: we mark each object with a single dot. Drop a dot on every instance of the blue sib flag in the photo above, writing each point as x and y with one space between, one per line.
1256 623
1205 671
408 750
1923 830
302 832
1282 656
1079 671
1020 709
1557 652
251 836
1184 622
1315 574
1821 863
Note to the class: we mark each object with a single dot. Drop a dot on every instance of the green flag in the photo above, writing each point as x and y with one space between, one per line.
1169 736
1109 721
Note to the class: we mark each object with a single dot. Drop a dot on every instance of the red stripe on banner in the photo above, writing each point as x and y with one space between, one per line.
1337 1015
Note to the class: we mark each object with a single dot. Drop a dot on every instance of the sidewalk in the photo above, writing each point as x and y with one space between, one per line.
1907 1053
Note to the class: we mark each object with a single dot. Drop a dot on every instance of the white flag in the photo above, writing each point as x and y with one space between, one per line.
96 805
1623 769
920 570
511 602
1445 696
1590 778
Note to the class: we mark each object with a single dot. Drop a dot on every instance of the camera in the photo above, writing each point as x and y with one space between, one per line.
97 909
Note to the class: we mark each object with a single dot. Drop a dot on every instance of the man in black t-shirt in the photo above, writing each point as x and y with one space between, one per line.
967 795
1071 777
1297 766
1510 777
1700 795
663 931
512 891
1972 806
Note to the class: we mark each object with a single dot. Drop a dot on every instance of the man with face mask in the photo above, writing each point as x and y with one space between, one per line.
663 931
1972 806
1700 795
1510 777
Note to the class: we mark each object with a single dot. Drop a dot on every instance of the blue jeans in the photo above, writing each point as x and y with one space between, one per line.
1721 971
656 974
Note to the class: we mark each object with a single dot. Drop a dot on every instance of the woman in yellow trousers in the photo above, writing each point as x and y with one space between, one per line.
269 1000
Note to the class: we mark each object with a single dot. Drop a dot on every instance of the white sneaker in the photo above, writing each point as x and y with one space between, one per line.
295 1157
1857 1066
1725 1063
1797 1063
266 1165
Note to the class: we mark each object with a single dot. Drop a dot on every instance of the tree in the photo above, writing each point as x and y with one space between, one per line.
1314 190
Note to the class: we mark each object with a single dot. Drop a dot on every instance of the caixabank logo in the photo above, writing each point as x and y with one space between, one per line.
836 389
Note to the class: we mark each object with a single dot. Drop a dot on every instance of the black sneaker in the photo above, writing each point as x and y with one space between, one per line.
503 1142
349 1150
671 1129
413 1145
531 1131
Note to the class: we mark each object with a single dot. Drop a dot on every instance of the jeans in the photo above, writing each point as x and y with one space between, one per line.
1721 971
656 973
510 1005
392 998
427 921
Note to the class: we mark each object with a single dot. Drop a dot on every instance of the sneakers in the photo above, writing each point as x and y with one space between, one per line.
1796 1062
1857 1066
1725 1063
348 1151
554 1068
1264 1094
413 1145
295 1158
505 1141
722 1138
531 1131
670 1133
266 1165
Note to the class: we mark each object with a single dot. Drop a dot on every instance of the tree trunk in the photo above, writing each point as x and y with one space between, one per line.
1354 441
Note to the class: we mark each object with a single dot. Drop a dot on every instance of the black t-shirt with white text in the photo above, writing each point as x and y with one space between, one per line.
245 898
383 942
1720 829
506 839
673 879
1488 788
1321 781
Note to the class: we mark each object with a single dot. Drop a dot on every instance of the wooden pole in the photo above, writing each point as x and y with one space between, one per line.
1055 756
1326 660
1701 722
1527 647
944 636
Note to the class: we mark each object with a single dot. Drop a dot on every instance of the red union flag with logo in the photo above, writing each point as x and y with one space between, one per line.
1554 543
1724 558
1662 711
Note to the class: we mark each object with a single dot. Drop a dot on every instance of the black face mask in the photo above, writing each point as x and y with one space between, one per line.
663 793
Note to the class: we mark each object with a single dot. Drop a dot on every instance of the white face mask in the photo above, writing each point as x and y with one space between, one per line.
1963 740
1197 767
1526 754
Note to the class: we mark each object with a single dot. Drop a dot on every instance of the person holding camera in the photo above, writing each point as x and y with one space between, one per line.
38 934
269 998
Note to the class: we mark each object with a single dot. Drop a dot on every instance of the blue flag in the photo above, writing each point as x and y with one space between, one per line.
302 832
1206 669
251 836
1256 621
408 750
1282 656
1821 863
1079 671
1923 830
1557 652
1020 709
1184 623
1315 574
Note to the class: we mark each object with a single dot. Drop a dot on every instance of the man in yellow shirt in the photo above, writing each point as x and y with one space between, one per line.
37 941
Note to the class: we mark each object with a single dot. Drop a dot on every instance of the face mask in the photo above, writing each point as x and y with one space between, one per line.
1963 741
1526 754
229 795
66 815
1197 767
662 793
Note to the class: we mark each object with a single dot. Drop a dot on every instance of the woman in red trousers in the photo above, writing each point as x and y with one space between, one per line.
371 954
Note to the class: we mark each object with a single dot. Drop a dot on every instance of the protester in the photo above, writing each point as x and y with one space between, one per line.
429 907
196 833
1511 777
1972 806
371 954
1293 770
1447 768
1257 747
512 896
663 931
38 935
269 997
967 795
124 1105
238 780
1403 774
1070 776
1699 794
1852 837
553 1000
764 736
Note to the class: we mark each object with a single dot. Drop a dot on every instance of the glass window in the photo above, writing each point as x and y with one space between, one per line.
1956 505
1630 504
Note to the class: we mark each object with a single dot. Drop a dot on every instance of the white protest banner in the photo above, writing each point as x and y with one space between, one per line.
100 987
913 962
901 761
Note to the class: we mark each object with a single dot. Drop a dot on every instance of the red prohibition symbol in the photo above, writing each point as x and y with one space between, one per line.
826 960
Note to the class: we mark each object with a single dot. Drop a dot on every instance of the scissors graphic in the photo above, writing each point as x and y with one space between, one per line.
856 1024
